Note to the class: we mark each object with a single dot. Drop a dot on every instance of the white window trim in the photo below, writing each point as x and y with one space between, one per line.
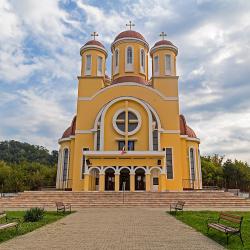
129 67
62 169
191 182
88 72
172 163
156 73
142 68
123 110
116 68
168 73
99 73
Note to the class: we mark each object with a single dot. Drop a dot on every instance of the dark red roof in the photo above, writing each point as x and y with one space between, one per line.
163 42
130 79
185 129
70 130
94 42
130 34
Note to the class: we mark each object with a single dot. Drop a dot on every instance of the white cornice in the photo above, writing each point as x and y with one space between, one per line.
163 131
86 47
66 139
165 98
128 153
190 138
84 131
164 46
129 39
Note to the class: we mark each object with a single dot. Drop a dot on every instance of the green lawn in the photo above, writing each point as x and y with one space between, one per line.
25 227
198 220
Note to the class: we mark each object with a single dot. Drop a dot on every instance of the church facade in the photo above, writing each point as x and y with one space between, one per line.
128 133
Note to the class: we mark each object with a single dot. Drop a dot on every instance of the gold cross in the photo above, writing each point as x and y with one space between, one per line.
130 25
163 34
94 34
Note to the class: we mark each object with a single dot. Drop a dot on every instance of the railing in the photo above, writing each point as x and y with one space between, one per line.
123 191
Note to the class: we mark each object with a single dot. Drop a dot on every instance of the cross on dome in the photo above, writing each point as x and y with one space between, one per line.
163 34
94 34
130 25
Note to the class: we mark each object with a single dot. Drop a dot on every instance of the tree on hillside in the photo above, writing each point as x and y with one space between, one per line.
17 152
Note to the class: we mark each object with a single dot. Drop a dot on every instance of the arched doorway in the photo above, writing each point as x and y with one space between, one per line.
154 179
125 179
94 179
140 180
110 179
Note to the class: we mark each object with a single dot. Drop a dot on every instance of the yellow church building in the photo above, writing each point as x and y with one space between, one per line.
128 133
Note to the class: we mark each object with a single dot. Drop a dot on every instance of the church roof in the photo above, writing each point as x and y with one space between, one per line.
94 42
70 130
163 42
185 129
130 34
136 79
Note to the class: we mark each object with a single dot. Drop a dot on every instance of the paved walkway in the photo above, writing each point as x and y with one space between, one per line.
115 229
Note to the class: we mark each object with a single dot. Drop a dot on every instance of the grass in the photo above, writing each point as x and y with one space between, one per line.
26 227
198 220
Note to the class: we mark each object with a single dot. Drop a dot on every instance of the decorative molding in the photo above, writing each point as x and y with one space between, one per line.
84 131
129 39
165 98
164 46
83 48
190 138
163 131
128 153
66 139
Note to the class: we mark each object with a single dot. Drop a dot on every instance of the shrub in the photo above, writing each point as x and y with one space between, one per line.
33 214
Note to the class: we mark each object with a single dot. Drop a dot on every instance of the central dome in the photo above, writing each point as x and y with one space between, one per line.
130 34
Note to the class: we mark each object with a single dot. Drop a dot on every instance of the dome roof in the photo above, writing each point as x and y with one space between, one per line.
129 34
185 129
70 130
94 42
164 44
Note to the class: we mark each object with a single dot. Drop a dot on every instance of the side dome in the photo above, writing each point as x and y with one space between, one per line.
164 44
70 130
130 35
93 44
185 129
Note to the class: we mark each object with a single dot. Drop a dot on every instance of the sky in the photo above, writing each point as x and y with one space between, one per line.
40 61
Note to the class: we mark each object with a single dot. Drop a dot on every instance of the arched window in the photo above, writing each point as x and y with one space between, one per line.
88 65
65 163
129 59
99 66
142 60
192 164
168 69
156 65
116 61
129 55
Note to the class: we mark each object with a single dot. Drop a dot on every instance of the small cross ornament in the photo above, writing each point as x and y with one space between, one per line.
94 34
163 34
130 25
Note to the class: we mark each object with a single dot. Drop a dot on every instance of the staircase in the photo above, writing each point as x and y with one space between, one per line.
194 199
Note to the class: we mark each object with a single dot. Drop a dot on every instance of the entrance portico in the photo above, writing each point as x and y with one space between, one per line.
132 171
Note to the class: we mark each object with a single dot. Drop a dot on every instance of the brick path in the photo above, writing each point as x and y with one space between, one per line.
115 229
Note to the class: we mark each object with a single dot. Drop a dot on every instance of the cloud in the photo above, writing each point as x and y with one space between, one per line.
39 62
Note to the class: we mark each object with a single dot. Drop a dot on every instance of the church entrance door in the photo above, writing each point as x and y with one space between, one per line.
125 179
110 180
140 180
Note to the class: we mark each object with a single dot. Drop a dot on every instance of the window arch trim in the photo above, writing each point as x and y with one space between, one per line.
129 66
